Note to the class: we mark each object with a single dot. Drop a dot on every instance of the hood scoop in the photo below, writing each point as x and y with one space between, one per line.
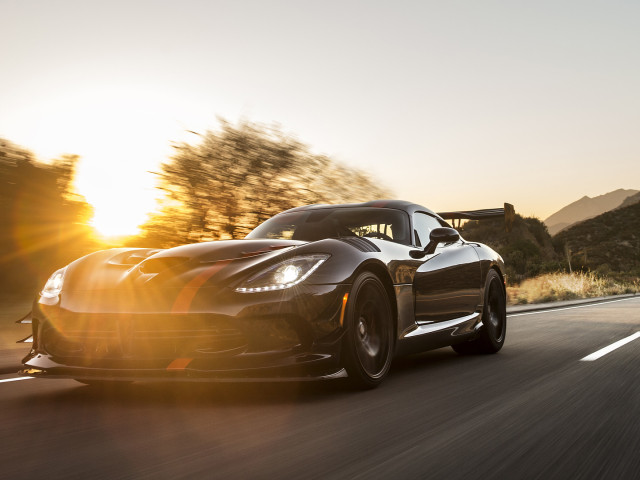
130 258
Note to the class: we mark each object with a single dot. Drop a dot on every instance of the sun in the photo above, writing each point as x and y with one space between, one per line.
121 136
122 197
116 218
121 133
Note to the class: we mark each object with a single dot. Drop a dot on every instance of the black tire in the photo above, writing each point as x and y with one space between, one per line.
369 339
494 320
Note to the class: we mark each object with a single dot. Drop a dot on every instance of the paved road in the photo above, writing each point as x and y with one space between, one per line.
535 410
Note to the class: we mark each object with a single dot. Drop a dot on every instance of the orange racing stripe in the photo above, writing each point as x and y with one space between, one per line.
178 364
188 292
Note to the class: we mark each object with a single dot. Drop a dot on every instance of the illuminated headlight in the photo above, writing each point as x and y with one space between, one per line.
283 275
53 286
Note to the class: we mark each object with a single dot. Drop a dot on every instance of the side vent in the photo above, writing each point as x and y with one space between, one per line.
361 244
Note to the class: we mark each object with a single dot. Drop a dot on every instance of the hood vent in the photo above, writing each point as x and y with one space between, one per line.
361 244
157 265
267 249
131 258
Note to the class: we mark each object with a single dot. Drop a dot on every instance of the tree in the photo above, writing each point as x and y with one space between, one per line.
235 178
43 220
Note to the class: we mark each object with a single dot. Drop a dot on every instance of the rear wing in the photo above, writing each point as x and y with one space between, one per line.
508 212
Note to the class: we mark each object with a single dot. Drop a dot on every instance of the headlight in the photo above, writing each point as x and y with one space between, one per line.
53 286
283 275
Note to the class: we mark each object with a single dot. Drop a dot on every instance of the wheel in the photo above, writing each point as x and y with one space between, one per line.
494 320
369 338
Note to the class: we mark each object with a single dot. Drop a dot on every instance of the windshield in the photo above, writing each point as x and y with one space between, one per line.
312 225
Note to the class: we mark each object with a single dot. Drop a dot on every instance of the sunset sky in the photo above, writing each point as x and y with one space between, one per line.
455 105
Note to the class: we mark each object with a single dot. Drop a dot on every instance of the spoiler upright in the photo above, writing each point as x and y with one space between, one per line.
508 212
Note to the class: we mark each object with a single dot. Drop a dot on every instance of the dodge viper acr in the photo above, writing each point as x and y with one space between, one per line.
315 292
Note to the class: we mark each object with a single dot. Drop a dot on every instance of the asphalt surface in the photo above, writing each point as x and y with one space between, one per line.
533 411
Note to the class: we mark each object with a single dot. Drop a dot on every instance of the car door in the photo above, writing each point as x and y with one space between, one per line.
448 284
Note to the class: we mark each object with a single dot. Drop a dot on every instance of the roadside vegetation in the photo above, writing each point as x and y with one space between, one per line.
597 257
550 287
44 223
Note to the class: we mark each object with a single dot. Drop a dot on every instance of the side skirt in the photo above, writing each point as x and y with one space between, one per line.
429 336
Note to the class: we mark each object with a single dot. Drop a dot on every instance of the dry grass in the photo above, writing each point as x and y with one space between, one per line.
551 287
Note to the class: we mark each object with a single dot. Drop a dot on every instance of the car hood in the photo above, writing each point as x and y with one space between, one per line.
210 262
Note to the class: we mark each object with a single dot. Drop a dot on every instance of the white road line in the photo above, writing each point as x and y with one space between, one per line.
550 310
603 351
15 379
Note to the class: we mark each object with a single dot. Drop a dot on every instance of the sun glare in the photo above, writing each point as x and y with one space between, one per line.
116 217
121 135
119 207
121 132
121 195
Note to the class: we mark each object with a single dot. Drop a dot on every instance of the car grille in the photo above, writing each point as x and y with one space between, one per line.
155 337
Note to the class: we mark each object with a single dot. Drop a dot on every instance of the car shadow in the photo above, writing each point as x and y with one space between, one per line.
186 394
442 357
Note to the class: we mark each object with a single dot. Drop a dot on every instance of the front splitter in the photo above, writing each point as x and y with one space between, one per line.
163 376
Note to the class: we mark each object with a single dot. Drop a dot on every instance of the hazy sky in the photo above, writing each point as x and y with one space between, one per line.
452 104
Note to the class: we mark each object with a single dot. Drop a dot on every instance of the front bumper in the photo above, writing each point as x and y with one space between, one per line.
242 337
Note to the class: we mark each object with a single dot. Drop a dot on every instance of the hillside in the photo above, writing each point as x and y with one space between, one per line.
586 208
608 244
527 250
633 199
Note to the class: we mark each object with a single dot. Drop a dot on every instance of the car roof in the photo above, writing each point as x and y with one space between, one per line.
405 206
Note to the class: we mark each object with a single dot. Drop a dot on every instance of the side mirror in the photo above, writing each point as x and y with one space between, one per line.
437 236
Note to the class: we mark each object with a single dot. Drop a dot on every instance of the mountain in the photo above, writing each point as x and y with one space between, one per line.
527 249
586 208
633 199
608 243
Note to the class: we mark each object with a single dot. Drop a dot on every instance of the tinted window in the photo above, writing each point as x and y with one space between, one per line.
422 226
312 225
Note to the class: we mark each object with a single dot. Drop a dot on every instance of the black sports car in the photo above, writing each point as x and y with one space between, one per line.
316 292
